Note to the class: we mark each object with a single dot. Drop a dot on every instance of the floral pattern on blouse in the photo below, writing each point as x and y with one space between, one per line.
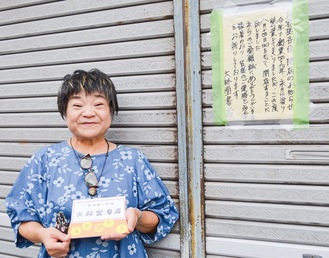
52 179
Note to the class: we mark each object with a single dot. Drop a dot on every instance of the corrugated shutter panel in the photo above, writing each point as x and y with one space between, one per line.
266 188
131 40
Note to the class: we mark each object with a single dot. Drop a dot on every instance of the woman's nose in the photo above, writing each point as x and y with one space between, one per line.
89 110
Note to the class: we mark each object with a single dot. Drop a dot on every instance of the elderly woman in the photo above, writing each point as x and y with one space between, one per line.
88 166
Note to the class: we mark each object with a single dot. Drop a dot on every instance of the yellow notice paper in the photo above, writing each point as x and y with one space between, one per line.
256 71
259 66
97 217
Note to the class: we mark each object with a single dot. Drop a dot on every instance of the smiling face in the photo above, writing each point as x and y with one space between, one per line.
89 83
88 116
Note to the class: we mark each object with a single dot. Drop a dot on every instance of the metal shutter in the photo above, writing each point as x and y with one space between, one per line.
131 40
266 188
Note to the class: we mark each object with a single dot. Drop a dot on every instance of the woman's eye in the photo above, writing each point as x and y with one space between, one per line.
77 105
99 104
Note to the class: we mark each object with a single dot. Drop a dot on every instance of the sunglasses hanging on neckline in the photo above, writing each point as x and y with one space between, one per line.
91 180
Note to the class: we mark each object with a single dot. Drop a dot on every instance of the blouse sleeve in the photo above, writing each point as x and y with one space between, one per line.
22 201
154 196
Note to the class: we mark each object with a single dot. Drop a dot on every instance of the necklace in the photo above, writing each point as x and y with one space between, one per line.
86 163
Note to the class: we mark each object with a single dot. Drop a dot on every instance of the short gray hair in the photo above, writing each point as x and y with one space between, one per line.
89 82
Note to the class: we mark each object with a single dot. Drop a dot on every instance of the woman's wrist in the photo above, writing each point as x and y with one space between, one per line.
147 221
140 216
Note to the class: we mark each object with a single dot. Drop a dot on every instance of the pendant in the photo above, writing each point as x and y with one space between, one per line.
92 191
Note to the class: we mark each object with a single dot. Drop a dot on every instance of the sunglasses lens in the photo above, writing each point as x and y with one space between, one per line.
86 162
91 179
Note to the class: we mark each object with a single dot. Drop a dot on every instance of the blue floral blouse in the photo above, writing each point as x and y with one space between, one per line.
52 179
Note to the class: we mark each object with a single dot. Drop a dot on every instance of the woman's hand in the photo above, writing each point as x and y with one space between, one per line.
56 243
145 222
132 216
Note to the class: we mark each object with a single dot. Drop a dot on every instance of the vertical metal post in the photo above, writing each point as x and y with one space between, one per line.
194 128
189 120
185 235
